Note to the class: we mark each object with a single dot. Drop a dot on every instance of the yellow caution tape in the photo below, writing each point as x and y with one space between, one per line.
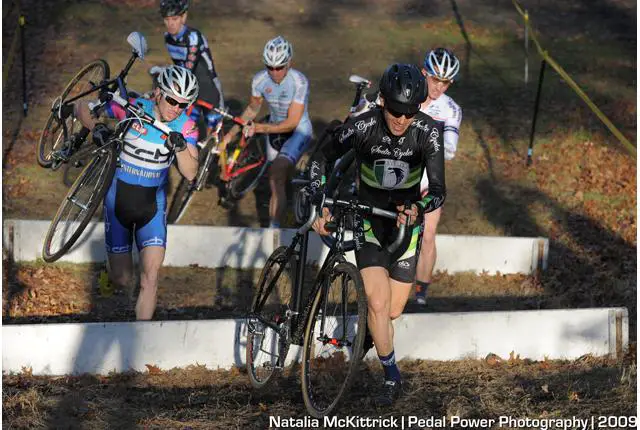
632 149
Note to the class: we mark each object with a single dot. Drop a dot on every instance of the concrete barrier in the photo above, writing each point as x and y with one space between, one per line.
56 349
210 246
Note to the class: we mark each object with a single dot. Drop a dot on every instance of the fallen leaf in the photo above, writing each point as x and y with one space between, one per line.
153 369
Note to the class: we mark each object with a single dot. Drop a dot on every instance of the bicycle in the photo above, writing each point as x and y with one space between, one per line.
327 318
89 189
239 167
63 135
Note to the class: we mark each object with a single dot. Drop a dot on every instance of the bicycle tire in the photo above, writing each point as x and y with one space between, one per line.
74 166
254 152
50 137
263 305
186 189
318 404
104 164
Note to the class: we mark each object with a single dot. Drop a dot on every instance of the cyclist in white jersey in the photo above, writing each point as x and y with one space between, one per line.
440 68
286 91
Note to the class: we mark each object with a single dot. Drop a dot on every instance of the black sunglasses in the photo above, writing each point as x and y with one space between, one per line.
174 102
396 114
277 69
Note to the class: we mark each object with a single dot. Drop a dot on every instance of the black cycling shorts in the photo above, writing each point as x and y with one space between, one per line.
378 236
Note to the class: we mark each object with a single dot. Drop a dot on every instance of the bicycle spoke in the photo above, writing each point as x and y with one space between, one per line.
79 201
333 340
268 323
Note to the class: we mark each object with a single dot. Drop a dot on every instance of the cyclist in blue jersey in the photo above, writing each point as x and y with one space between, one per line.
286 91
135 203
188 48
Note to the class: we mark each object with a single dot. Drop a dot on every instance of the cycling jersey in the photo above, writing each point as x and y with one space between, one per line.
390 168
293 88
190 49
136 199
446 110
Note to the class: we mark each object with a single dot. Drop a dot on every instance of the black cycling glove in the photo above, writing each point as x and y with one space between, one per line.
176 142
101 134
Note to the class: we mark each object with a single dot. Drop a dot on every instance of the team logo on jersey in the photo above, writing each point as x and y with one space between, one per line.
268 90
151 153
386 139
390 173
139 128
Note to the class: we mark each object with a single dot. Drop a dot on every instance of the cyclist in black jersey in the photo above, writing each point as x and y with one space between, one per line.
189 48
393 144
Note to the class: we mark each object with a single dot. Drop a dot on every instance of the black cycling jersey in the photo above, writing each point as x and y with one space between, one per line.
390 167
190 49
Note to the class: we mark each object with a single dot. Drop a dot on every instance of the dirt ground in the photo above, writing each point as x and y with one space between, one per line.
73 293
580 192
200 398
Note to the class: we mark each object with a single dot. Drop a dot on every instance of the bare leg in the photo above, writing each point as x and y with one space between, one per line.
279 173
428 254
151 259
120 269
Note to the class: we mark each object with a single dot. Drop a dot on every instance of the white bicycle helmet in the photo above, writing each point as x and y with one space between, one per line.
442 64
277 52
180 82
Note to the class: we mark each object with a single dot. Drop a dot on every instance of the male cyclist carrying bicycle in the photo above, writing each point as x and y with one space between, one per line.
393 143
440 68
286 91
136 200
189 48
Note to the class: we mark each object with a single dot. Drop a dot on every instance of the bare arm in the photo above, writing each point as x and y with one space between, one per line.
188 162
289 124
249 114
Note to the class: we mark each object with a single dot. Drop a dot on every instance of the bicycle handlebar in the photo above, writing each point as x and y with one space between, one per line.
358 207
138 111
227 115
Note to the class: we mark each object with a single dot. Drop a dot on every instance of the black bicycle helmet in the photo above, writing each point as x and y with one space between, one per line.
173 7
403 88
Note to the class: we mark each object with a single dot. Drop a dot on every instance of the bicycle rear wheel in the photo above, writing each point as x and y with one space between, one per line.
80 203
52 135
268 339
333 339
251 165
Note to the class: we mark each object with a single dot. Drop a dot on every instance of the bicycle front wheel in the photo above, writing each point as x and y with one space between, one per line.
80 203
333 339
52 135
249 168
268 339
